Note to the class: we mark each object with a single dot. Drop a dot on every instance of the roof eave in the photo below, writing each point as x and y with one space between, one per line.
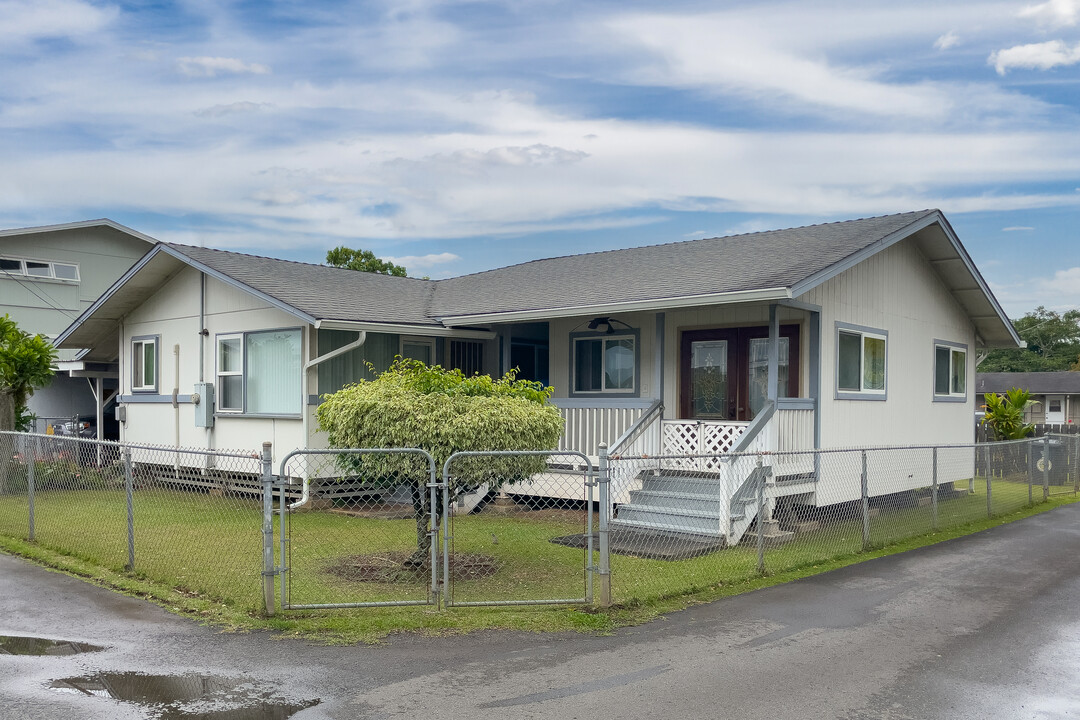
101 222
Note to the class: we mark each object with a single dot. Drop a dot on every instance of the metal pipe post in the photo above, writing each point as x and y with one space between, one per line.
934 493
604 571
433 531
283 533
28 457
268 529
129 490
1031 498
590 483
760 517
989 502
1046 468
865 505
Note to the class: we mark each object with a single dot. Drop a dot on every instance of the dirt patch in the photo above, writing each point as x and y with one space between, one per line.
391 568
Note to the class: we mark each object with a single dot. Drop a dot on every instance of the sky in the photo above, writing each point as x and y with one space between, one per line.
454 137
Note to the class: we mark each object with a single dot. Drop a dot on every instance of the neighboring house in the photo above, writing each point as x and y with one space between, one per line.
844 334
1057 393
48 277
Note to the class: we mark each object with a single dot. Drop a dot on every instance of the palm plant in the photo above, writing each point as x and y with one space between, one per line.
1005 414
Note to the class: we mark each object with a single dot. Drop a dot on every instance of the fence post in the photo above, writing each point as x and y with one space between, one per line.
1031 474
760 517
989 505
28 457
934 493
865 505
1076 465
129 490
268 529
1046 467
604 572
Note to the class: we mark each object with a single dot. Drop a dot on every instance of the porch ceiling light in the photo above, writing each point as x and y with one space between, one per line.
605 323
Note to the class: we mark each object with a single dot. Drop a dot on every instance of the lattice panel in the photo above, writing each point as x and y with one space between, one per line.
699 438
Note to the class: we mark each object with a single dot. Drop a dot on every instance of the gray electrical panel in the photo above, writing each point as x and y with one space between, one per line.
203 398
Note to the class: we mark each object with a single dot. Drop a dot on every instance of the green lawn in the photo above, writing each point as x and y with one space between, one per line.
202 553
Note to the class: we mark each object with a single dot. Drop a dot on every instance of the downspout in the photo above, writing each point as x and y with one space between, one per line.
176 400
305 494
202 351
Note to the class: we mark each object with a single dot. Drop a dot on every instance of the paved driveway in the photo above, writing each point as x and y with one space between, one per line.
981 627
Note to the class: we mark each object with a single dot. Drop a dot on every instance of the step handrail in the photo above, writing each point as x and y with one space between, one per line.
755 427
632 433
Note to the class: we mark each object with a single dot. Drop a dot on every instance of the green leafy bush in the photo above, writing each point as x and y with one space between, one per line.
1005 414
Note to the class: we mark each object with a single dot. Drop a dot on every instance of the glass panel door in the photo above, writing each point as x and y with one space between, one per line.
709 379
758 372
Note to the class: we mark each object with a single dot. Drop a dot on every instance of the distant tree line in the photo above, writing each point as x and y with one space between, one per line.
1053 344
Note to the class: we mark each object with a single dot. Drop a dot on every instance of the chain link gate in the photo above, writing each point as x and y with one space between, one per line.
357 528
518 528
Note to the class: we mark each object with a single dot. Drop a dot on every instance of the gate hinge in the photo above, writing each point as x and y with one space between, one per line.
276 571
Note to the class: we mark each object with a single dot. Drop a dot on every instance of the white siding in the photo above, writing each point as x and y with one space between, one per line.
173 313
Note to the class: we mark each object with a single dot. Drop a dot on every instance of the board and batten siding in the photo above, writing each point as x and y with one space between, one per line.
173 314
898 291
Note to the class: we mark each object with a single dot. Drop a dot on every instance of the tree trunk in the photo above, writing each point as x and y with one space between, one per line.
7 442
421 511
7 410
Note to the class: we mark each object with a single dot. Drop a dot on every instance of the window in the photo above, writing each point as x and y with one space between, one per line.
144 364
259 373
467 356
418 348
39 269
605 364
950 371
230 373
860 363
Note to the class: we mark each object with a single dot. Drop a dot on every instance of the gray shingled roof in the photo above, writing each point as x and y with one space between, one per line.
323 292
773 259
1054 383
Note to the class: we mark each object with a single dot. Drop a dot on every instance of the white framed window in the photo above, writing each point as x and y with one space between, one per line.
605 363
418 348
950 371
39 269
260 373
230 373
144 363
861 362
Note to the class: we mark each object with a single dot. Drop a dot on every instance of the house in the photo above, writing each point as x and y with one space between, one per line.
48 277
1057 393
845 334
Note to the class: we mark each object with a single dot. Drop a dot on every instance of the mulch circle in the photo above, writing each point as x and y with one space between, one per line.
390 567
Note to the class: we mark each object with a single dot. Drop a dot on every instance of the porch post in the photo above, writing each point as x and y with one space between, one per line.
658 372
774 353
815 374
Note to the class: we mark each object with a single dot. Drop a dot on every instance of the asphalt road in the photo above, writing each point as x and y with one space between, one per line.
980 627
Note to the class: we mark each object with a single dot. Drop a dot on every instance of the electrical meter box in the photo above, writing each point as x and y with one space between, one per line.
203 398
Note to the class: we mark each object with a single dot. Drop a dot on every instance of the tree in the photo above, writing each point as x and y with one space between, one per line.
26 363
362 260
1053 343
443 412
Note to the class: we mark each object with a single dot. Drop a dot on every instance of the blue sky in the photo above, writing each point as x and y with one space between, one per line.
460 136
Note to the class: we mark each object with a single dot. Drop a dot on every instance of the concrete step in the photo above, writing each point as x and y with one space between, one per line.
662 527
710 504
670 518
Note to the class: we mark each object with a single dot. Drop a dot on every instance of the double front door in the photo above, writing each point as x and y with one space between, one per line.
725 371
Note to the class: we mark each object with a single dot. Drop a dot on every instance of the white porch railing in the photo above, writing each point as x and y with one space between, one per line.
794 433
588 425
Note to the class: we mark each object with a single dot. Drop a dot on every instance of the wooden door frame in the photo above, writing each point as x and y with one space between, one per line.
738 362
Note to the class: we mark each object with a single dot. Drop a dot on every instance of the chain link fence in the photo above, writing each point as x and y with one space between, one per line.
188 518
355 528
674 531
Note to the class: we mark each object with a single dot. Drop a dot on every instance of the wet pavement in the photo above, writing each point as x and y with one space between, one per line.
983 626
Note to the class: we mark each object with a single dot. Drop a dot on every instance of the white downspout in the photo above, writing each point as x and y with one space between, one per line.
176 400
306 414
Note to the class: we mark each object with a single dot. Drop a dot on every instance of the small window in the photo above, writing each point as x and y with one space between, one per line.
861 362
63 271
950 371
606 364
230 373
38 269
467 356
144 365
11 266
418 348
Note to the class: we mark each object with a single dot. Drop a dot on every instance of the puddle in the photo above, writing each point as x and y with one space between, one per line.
187 697
14 645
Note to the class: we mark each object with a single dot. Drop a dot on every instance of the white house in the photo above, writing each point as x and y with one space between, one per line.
856 333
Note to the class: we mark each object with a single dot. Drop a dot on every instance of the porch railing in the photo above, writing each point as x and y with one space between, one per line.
589 423
794 432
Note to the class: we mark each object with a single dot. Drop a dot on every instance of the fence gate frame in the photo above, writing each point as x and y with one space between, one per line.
591 478
284 533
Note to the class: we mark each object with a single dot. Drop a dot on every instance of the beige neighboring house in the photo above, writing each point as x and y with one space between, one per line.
1057 393
50 275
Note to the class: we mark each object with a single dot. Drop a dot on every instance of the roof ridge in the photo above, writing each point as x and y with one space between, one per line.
686 242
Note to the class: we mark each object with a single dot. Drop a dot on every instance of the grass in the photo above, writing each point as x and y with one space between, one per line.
200 555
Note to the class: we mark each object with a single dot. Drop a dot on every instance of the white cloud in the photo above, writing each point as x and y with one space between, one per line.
212 66
216 111
424 262
946 41
1017 228
28 20
1060 291
1036 56
1055 13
